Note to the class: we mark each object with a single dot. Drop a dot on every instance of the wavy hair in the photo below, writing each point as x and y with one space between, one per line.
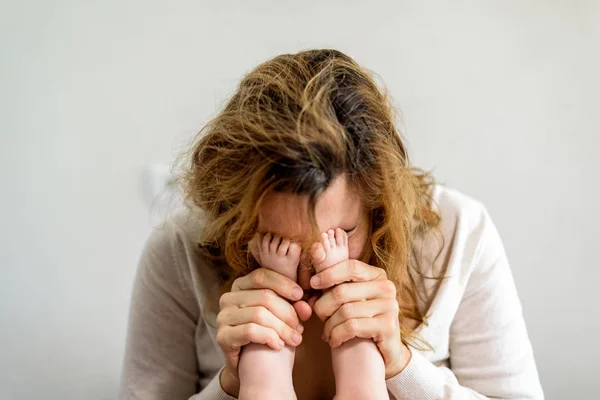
294 124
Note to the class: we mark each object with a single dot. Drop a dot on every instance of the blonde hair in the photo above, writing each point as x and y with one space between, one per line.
294 124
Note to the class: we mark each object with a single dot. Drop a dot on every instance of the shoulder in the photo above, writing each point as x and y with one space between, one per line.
459 251
465 227
178 233
171 259
456 208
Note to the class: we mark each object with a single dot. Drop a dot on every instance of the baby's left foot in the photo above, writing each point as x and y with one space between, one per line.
330 250
357 364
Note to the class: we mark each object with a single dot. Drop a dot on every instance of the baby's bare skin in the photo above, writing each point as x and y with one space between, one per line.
357 364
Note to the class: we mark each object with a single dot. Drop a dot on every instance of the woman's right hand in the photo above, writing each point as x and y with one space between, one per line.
256 311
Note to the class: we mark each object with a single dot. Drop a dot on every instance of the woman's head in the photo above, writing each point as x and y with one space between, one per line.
307 142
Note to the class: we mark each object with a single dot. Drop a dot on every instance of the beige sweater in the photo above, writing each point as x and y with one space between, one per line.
476 327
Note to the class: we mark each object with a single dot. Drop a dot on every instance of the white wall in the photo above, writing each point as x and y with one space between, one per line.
501 98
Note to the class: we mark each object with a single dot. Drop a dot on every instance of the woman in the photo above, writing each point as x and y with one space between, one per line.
315 261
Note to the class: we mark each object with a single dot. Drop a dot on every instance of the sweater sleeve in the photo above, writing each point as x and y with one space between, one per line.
490 351
165 329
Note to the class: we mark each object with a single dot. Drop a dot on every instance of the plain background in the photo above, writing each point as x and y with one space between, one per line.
499 98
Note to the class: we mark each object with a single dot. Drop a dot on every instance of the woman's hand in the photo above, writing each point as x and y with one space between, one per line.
361 303
256 311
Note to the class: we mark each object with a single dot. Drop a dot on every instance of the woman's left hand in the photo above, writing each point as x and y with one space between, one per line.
361 303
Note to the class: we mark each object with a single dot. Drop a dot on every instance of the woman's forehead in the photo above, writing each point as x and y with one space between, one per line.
287 214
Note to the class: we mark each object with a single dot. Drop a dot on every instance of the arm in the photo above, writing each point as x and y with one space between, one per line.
165 328
490 352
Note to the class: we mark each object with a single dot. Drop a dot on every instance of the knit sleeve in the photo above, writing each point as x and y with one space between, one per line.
490 351
165 330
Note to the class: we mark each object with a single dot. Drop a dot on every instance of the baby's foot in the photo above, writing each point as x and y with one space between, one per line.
259 361
357 364
279 254
330 250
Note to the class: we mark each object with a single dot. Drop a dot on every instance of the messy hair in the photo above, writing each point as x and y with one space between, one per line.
294 124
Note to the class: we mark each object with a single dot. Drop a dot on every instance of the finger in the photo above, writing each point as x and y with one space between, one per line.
266 241
346 271
283 247
275 244
359 309
233 337
261 316
263 278
303 309
344 293
378 329
265 298
313 300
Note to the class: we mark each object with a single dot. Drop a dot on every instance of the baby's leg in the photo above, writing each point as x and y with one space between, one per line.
266 373
357 364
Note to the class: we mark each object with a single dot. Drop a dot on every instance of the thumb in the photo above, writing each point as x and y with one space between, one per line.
303 310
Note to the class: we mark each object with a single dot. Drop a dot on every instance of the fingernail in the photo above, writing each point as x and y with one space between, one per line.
281 344
297 293
296 337
315 281
300 328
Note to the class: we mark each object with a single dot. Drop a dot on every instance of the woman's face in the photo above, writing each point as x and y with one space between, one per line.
339 206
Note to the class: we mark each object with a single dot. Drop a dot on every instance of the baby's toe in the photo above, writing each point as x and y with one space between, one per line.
317 253
325 241
275 244
331 237
341 237
266 242
283 247
294 251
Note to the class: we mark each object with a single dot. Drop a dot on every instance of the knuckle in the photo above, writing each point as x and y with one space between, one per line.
224 300
382 273
260 315
351 326
220 319
318 309
259 277
221 338
388 288
346 310
334 336
266 296
249 331
339 293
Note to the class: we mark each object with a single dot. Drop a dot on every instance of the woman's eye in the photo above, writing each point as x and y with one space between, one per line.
350 231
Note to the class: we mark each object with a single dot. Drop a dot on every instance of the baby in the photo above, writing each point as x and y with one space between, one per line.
267 374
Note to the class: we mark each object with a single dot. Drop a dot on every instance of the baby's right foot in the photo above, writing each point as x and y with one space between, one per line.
357 364
279 254
266 373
